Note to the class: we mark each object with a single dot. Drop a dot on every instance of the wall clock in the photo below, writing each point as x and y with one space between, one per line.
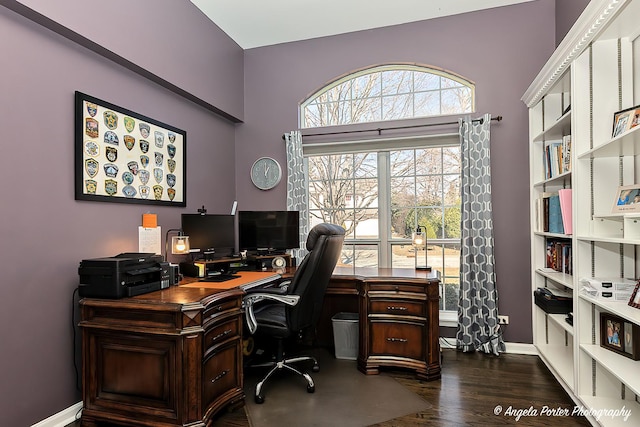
266 173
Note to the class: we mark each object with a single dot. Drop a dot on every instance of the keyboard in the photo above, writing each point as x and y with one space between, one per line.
219 277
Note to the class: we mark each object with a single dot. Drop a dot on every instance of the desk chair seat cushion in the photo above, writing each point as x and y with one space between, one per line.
272 319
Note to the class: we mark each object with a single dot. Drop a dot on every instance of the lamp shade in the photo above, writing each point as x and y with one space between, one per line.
179 245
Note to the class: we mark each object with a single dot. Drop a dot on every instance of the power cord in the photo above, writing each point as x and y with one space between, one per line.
73 328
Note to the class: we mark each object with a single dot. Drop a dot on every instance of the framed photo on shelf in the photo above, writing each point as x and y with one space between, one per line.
627 199
634 301
122 156
620 336
625 120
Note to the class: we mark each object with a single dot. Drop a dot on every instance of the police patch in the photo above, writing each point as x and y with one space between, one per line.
91 127
110 137
129 124
110 119
92 167
129 141
111 153
157 191
145 130
110 187
110 170
144 176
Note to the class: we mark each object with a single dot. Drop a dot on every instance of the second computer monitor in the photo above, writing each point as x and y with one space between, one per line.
268 231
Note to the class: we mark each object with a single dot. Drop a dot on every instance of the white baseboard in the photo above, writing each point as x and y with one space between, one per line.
511 347
62 418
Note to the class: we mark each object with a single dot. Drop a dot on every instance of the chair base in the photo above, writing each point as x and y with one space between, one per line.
282 363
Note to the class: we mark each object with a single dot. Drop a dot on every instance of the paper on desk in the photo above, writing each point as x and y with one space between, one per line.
150 240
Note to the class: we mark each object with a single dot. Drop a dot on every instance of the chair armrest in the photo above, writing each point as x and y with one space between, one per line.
250 299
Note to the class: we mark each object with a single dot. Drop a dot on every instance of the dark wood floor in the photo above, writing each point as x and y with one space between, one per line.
473 385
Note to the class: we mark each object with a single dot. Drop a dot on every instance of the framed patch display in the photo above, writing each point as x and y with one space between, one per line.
125 157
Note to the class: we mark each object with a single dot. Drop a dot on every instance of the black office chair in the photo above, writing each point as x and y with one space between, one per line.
286 311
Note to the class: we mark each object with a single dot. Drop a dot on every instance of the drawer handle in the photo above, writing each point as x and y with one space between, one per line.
217 337
397 339
393 307
220 376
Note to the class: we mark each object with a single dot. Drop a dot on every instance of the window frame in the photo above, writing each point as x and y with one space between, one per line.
315 97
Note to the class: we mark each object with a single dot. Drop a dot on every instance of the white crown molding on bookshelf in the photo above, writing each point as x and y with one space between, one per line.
591 22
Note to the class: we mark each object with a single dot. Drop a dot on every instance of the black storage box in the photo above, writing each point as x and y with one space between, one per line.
552 304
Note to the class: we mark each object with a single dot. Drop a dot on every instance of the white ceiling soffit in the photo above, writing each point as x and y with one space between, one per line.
255 23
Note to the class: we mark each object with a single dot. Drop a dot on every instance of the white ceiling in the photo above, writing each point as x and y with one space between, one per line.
255 23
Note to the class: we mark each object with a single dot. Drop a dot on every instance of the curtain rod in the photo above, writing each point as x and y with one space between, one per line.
379 130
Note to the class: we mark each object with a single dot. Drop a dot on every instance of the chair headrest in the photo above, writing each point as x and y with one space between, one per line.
323 229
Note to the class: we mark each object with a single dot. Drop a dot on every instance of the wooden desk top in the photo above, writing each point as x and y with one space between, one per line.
364 273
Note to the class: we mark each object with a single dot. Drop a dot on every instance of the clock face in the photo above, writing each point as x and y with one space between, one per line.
278 262
266 173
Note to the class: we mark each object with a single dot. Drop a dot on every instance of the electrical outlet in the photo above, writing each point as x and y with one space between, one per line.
503 320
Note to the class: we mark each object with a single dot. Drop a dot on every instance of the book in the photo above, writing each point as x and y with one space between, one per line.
555 215
566 210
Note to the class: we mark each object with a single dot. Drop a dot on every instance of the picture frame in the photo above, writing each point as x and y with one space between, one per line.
625 120
627 199
620 336
634 301
125 157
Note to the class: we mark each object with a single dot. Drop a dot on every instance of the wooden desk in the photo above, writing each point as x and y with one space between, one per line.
174 357
398 317
167 358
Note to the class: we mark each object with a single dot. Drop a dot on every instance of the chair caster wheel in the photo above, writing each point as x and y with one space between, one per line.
259 399
311 388
316 368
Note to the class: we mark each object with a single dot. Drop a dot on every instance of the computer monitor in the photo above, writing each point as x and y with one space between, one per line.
212 234
268 231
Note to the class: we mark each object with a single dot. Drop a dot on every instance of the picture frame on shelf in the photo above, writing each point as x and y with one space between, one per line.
126 157
627 199
625 119
634 301
620 336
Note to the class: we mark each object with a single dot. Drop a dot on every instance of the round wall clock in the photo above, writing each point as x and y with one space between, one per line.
266 173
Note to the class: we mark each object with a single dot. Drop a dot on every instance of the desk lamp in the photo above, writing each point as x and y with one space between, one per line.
420 241
179 243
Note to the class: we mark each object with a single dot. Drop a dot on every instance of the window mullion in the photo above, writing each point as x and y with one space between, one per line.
384 208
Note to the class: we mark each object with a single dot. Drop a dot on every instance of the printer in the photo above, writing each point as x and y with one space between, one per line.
124 275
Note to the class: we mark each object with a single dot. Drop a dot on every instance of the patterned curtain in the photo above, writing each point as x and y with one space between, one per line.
478 327
297 187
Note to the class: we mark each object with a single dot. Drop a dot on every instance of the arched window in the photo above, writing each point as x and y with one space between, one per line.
388 92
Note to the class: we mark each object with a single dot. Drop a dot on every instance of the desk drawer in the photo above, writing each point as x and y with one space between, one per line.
219 307
222 330
393 338
221 372
397 307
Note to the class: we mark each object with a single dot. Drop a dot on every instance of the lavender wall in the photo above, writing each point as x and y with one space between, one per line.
501 50
45 232
567 11
196 60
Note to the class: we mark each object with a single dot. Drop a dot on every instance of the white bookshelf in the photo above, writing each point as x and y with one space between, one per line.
595 70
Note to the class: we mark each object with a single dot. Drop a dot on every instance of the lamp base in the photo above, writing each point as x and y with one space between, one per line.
427 268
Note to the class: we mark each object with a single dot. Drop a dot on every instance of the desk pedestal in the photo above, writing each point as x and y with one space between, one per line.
164 359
